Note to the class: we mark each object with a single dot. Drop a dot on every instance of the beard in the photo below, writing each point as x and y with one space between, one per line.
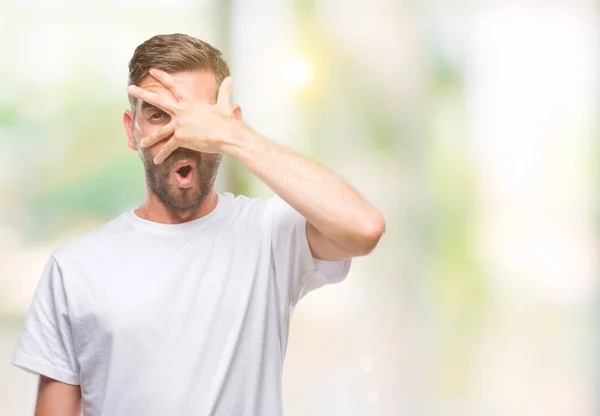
160 181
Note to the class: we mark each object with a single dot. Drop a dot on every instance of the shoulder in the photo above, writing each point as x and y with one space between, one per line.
245 207
92 241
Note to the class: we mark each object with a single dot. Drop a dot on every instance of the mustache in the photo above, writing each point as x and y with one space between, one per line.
180 154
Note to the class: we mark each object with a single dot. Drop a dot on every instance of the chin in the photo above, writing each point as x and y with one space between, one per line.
184 200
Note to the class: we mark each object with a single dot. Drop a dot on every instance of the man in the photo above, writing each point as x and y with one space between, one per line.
181 306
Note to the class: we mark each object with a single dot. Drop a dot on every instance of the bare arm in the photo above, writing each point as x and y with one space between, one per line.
56 398
340 223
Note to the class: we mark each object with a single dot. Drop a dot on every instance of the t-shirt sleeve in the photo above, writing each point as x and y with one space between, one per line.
46 343
292 257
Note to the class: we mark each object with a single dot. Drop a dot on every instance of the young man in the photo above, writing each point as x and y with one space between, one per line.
182 306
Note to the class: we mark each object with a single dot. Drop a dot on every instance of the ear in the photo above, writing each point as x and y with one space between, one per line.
237 112
129 125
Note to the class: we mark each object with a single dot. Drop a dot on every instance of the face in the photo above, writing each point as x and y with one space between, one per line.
186 177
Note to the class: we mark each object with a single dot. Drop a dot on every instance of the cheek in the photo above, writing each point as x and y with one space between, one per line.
138 127
143 128
147 153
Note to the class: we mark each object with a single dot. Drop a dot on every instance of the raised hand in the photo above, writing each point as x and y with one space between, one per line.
194 124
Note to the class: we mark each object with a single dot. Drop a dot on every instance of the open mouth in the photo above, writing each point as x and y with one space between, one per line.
184 174
184 171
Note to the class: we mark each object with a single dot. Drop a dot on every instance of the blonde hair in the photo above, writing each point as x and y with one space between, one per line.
175 53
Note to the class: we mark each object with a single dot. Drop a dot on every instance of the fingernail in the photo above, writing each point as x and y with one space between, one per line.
143 142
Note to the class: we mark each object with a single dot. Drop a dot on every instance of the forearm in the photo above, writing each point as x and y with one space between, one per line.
324 199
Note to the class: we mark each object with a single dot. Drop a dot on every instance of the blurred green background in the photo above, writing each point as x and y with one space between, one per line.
472 125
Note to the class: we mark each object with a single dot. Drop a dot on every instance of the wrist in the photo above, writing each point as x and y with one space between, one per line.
242 140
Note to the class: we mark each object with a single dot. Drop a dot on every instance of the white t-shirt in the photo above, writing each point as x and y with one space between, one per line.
183 319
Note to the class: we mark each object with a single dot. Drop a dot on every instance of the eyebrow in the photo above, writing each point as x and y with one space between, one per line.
146 105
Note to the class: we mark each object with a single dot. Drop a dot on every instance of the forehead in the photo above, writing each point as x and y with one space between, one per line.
201 84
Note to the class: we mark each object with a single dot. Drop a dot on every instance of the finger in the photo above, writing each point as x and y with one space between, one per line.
171 83
223 98
160 134
152 98
166 150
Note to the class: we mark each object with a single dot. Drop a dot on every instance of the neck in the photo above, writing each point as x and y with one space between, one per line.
153 209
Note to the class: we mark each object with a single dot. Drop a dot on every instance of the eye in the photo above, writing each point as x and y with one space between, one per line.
156 116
